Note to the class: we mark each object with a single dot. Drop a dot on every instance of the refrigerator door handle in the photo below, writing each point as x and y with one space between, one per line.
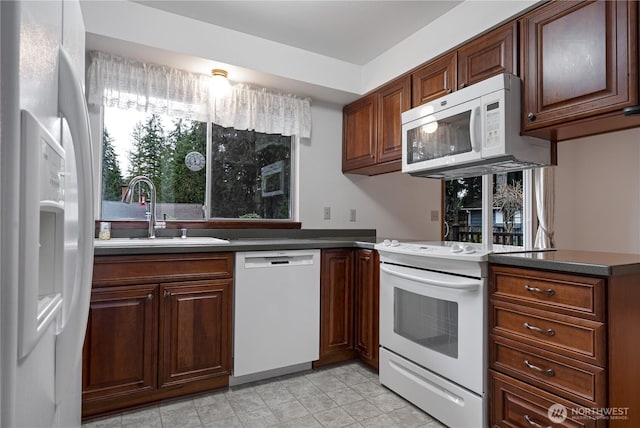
73 107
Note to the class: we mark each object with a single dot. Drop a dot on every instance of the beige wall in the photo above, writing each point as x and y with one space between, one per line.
598 193
396 205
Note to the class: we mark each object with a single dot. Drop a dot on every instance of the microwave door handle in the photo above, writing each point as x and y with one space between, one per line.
473 133
463 286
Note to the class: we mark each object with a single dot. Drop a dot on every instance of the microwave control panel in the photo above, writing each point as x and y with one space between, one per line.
492 124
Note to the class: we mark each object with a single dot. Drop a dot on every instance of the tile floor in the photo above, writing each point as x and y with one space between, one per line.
347 395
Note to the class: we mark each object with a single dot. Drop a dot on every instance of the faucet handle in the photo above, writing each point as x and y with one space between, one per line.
184 233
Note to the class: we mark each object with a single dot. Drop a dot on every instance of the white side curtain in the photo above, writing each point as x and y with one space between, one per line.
544 189
124 83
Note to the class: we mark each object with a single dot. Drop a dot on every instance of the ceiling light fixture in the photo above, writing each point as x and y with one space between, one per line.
219 83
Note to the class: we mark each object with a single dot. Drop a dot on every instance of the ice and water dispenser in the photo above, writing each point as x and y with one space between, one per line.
41 251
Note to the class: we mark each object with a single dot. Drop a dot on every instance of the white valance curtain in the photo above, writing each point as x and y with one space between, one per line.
120 82
263 111
544 190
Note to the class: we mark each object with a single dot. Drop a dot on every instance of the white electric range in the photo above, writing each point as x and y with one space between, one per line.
433 326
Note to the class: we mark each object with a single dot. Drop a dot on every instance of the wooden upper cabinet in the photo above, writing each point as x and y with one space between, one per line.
393 99
372 129
579 59
490 54
359 133
435 79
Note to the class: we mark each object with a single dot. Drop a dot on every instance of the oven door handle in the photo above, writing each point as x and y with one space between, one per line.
464 286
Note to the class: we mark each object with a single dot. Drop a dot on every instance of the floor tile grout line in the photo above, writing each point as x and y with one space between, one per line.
366 395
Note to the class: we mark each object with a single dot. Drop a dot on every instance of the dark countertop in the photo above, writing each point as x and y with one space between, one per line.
249 244
573 261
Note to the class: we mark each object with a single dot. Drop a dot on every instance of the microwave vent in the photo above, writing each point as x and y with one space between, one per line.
482 167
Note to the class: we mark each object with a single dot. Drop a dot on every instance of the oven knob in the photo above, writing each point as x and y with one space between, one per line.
386 242
468 249
455 248
394 243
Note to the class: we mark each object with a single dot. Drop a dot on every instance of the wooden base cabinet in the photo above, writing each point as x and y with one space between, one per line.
367 307
152 336
195 321
349 295
558 338
336 306
119 358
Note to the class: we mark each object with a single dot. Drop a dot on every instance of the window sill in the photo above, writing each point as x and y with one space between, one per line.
208 224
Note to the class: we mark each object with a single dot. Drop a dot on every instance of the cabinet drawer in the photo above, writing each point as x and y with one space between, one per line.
569 336
125 270
575 380
568 294
516 404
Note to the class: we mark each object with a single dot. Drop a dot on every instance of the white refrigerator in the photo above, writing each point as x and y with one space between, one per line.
46 213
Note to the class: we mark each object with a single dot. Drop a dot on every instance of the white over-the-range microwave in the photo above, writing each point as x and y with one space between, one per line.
471 132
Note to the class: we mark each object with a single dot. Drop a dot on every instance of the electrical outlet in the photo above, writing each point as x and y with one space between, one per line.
327 213
435 215
352 214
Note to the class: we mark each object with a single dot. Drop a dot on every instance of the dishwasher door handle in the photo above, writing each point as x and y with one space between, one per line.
275 259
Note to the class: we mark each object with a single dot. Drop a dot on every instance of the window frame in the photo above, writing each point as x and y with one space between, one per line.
97 125
529 219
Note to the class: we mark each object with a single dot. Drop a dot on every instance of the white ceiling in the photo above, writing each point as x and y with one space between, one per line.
352 31
331 51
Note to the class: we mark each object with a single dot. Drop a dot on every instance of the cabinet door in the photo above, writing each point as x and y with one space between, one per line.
195 332
488 55
577 59
393 99
119 359
367 294
359 136
434 80
336 306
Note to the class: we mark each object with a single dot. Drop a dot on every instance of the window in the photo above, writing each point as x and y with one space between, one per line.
249 173
466 209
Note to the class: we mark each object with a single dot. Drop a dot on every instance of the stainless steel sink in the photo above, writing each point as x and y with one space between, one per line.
191 241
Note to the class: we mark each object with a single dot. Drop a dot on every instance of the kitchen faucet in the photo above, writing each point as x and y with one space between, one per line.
151 217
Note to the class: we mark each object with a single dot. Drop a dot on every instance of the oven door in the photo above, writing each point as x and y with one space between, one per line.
435 320
434 140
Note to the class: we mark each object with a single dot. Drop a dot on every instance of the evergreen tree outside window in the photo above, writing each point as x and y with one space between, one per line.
250 174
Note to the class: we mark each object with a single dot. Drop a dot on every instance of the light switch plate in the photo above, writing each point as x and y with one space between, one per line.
352 214
435 215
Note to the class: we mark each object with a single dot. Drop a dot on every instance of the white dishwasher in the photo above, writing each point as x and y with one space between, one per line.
276 310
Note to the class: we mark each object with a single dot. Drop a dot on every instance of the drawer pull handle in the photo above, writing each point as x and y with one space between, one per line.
548 331
548 372
548 292
534 423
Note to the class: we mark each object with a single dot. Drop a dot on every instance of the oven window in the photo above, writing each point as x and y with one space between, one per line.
437 139
429 322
